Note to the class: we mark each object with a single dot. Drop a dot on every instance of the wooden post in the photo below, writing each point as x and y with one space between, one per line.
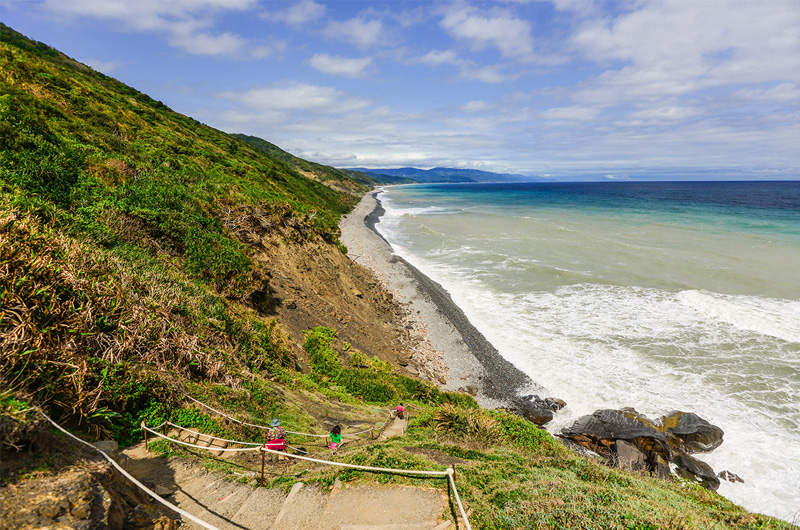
262 466
454 471
146 445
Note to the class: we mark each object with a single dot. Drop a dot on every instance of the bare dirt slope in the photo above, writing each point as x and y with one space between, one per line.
311 282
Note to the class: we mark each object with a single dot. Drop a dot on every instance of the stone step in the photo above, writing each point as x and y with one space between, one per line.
425 525
302 510
260 510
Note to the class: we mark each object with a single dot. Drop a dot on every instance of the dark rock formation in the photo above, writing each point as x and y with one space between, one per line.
730 477
691 468
630 440
600 431
535 409
697 435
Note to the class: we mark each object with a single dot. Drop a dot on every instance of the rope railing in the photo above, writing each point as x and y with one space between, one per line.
346 435
205 447
449 473
127 475
208 435
452 478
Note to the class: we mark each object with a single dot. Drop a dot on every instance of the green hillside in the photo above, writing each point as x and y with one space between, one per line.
140 257
116 220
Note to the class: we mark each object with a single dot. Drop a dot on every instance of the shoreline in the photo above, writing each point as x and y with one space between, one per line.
469 359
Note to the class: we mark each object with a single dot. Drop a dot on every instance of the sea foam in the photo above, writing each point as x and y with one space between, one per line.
631 307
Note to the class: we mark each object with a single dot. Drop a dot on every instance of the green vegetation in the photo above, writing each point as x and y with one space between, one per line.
125 254
121 243
373 381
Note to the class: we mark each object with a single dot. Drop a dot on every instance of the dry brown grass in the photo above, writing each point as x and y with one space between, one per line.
63 306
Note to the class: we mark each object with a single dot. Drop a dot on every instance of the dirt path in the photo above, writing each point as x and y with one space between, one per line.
228 505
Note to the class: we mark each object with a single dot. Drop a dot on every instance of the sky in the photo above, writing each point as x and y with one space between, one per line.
546 88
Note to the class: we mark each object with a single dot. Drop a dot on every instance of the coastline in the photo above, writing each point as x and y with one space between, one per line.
470 361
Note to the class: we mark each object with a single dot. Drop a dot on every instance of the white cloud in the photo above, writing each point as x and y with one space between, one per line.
343 66
468 69
358 31
574 113
477 106
487 74
674 48
299 13
185 23
147 14
665 114
436 58
220 45
511 35
298 97
782 93
105 67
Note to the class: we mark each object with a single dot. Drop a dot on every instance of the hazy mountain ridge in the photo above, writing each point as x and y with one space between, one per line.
444 174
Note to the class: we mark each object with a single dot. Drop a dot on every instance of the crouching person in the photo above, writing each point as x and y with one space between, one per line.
276 437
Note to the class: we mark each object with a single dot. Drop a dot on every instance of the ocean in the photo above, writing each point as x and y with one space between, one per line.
659 296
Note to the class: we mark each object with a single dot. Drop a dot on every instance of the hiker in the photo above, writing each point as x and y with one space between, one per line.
399 410
276 436
336 438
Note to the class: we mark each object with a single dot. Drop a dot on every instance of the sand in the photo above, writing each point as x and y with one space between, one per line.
469 360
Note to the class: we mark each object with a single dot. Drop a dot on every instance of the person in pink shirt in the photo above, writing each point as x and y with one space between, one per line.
399 410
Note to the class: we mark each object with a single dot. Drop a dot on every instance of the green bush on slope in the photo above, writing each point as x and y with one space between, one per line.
375 383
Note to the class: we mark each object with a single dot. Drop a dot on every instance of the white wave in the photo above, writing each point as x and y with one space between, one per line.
601 346
767 316
639 332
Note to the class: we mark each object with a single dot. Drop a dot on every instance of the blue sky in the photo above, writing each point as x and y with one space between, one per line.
536 87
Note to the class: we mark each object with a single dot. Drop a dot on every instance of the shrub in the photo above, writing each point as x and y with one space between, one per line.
368 385
321 355
467 423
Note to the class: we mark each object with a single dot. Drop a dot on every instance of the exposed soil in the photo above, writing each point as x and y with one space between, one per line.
312 283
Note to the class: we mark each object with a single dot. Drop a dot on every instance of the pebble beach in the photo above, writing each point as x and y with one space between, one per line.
448 349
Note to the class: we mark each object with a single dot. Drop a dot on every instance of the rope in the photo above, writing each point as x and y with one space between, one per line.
365 468
372 429
208 435
458 500
288 432
251 424
129 477
448 473
181 442
225 415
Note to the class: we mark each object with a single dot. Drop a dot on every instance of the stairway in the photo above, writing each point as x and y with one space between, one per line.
212 497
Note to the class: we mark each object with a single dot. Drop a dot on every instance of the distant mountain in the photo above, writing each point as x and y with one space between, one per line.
446 174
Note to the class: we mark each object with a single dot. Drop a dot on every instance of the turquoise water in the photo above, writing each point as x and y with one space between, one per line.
658 296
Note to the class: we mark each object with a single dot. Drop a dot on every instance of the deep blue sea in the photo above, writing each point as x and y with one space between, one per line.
657 296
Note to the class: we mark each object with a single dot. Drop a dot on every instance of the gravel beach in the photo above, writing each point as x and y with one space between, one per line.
458 354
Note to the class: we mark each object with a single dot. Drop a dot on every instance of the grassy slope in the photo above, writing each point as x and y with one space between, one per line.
114 252
119 284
